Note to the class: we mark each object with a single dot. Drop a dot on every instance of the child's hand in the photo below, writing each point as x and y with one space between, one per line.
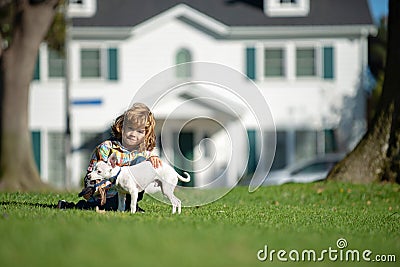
87 192
155 161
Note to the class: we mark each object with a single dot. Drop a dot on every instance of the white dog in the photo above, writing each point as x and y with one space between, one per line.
134 179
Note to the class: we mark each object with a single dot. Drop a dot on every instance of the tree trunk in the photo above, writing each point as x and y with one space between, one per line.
377 156
17 168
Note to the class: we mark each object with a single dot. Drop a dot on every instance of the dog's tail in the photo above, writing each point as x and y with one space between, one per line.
184 179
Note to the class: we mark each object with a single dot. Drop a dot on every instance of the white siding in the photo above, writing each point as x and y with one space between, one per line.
306 103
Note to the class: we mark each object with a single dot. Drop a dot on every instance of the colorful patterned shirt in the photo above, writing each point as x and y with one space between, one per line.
124 158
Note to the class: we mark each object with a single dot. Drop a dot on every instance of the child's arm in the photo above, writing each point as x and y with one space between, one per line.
101 153
154 159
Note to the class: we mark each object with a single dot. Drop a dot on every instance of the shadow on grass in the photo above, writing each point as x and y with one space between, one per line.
36 205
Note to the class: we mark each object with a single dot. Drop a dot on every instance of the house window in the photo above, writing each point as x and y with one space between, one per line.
274 62
56 158
184 70
306 144
90 63
313 61
305 62
288 1
81 8
56 64
286 8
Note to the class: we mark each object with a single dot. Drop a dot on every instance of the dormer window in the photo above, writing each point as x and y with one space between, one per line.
286 8
81 8
183 70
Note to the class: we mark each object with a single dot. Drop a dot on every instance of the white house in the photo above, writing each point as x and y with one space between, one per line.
307 58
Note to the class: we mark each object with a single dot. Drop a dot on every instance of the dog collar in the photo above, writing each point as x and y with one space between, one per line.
114 178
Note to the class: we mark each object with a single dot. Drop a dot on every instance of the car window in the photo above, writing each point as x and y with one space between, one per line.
313 168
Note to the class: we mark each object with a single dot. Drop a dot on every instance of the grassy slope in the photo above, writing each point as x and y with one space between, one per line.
228 232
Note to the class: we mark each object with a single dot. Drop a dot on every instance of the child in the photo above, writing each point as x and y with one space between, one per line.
134 141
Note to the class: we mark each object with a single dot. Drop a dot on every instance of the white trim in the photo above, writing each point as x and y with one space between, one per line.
120 33
259 61
104 63
181 10
106 33
224 31
302 31
43 62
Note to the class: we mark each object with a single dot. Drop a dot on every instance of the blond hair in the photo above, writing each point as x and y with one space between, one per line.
140 115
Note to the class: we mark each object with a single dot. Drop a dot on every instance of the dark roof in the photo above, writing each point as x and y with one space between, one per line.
126 13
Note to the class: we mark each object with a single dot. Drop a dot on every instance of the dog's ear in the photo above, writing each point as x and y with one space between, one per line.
112 160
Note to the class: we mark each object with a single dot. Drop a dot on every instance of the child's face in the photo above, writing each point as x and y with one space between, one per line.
132 135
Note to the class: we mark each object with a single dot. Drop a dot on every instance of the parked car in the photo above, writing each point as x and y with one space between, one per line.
308 171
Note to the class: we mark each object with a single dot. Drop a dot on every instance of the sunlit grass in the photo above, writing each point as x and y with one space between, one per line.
228 232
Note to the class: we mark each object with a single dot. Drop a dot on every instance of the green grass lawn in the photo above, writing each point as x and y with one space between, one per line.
228 232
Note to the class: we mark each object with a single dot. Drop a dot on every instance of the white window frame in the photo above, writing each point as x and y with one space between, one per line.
81 8
274 8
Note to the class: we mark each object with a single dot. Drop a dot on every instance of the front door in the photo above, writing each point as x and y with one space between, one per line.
185 144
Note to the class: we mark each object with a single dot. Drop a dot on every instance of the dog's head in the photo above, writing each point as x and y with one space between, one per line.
103 170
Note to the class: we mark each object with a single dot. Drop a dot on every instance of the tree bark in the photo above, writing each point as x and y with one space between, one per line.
18 171
377 156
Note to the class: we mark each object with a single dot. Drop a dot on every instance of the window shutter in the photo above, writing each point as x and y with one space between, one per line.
328 62
36 148
251 62
36 72
113 64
